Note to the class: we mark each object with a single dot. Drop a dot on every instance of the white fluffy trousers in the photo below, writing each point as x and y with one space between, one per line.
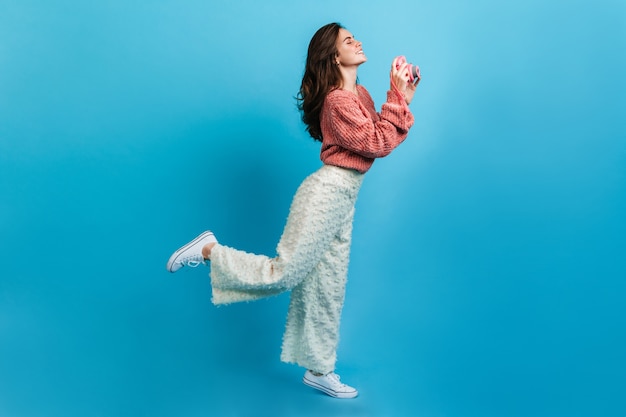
311 262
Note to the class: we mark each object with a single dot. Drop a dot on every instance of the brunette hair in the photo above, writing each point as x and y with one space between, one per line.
321 75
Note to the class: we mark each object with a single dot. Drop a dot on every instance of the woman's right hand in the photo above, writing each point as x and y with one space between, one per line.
399 75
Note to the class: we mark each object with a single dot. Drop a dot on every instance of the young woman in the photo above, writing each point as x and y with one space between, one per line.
313 252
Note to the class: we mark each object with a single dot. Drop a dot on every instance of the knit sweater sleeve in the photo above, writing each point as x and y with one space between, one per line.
357 127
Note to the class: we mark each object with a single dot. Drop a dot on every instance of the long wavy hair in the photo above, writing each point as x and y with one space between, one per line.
321 75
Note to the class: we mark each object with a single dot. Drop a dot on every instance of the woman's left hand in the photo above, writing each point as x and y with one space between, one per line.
409 92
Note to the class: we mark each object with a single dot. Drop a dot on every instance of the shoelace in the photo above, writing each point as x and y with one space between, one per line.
335 379
192 261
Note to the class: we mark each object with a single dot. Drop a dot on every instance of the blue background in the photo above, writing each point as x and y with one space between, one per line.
488 268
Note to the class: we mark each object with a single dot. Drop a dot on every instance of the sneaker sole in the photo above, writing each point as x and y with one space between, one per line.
328 391
175 255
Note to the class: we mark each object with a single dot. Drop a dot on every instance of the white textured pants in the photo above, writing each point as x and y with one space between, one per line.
312 261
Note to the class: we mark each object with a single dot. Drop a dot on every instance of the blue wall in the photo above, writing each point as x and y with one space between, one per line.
488 268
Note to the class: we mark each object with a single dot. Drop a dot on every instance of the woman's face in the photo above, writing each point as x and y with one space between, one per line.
349 50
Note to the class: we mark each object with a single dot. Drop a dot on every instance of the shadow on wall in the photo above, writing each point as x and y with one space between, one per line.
252 167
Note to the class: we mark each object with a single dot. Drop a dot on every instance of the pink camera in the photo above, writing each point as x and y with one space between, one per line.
414 70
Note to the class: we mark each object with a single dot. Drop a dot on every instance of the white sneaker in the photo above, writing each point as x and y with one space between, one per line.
329 384
191 253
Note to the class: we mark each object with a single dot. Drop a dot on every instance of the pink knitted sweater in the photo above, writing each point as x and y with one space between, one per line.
354 134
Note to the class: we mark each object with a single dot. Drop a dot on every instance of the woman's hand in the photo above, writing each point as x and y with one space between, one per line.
400 79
